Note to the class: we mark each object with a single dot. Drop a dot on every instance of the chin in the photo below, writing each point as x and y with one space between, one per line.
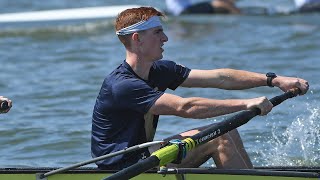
158 58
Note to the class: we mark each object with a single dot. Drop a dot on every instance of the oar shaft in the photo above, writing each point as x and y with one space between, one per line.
124 151
225 126
135 169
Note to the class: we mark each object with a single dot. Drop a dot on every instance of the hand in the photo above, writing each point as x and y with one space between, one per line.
262 103
287 83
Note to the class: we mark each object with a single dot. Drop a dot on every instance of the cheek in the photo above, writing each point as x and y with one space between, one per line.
150 45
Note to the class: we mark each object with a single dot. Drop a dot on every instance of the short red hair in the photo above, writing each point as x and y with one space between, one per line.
131 16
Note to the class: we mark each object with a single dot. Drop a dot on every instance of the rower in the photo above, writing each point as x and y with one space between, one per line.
132 97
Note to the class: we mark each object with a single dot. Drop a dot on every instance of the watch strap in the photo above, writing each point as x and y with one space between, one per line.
270 77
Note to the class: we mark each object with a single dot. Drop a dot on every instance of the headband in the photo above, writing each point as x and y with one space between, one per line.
152 22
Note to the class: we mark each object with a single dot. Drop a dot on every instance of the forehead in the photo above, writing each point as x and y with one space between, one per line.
155 29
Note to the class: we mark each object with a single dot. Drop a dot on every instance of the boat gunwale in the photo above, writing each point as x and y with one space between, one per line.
281 171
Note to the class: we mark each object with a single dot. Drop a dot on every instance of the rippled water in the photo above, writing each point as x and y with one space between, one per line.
53 75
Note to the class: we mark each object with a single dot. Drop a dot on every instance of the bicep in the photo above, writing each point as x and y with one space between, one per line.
167 104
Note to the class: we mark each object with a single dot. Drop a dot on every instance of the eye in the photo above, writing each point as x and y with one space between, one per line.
160 31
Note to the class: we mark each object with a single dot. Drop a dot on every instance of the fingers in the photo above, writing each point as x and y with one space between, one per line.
287 83
303 85
261 103
265 106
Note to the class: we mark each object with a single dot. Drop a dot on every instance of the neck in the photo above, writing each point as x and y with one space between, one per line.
139 65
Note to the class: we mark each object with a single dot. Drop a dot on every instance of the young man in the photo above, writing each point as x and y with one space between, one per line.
5 104
132 97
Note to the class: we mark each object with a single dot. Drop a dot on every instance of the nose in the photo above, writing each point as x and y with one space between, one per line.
164 38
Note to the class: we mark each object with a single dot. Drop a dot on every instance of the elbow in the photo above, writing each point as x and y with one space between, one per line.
188 110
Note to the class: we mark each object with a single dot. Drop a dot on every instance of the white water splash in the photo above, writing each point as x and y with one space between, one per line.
298 145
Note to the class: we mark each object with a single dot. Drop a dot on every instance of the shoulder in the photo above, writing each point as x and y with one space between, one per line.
121 77
163 64
128 83
168 66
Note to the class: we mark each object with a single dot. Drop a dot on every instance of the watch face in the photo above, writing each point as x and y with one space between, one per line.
271 74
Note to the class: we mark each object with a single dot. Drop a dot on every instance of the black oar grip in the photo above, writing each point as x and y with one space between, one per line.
4 106
279 99
135 169
290 94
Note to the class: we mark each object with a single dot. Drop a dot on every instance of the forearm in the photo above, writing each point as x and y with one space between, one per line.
200 108
225 79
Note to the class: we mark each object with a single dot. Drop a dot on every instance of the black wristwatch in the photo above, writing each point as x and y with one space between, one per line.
270 77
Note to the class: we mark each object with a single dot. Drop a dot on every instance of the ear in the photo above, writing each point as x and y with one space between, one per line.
135 37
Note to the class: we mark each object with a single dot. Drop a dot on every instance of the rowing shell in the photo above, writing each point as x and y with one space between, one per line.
65 14
273 173
32 19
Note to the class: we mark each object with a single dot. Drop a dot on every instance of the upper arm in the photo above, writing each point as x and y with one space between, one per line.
202 78
224 79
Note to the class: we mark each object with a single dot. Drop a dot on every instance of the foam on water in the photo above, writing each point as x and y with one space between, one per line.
298 144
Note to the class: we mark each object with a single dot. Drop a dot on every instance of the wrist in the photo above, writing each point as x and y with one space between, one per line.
270 79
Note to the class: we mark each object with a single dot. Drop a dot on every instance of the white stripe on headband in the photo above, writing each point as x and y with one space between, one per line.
152 22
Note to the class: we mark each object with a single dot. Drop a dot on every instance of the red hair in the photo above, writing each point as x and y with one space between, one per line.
131 16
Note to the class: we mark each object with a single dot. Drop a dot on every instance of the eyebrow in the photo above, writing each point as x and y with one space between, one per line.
158 29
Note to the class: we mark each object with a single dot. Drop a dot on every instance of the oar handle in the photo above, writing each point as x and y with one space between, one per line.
287 95
4 106
279 99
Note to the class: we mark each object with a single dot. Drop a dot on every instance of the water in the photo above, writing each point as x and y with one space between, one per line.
53 75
